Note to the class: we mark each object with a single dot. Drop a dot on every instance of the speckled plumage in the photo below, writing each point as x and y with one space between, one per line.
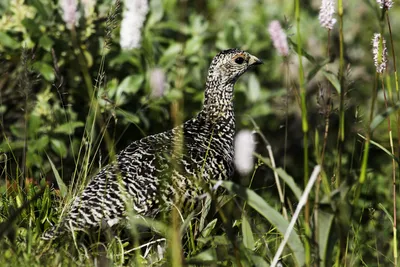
150 173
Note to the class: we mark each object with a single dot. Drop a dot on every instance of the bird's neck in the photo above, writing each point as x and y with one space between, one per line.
218 100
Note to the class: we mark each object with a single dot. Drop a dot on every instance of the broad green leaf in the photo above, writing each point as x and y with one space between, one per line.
269 213
169 56
207 256
248 239
325 221
59 147
208 229
61 185
130 85
193 45
69 127
46 42
45 69
333 80
8 41
258 261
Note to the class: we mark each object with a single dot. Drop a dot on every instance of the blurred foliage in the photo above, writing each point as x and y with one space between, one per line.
53 78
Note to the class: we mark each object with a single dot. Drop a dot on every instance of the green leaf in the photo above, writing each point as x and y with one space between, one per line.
169 56
61 185
8 41
333 80
381 117
130 85
207 256
59 147
208 229
248 239
290 182
269 213
45 69
46 42
325 221
69 127
193 45
156 13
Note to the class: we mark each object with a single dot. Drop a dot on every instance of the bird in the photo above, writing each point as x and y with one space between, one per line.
151 172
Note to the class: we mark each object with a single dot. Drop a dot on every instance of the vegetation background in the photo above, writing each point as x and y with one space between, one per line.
71 97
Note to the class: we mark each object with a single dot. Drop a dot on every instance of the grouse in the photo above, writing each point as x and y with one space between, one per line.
150 173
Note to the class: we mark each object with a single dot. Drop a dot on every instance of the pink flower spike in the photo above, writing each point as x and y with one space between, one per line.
279 38
326 13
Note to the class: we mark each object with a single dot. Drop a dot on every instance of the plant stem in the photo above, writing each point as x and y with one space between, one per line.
341 136
395 248
304 124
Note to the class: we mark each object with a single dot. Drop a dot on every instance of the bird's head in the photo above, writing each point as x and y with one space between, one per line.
229 65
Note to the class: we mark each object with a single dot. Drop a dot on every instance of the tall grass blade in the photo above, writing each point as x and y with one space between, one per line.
269 213
61 185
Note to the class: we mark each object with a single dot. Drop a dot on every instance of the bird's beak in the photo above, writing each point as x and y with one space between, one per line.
254 61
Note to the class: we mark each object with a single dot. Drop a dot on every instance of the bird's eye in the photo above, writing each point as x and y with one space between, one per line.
239 60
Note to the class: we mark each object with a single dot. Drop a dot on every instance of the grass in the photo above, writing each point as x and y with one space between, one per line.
80 100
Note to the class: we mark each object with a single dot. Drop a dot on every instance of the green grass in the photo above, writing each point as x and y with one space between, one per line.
71 99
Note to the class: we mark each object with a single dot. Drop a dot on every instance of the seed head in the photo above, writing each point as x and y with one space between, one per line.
132 22
387 4
244 148
157 82
326 13
379 51
279 38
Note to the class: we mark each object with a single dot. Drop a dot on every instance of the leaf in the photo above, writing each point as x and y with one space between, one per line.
248 239
303 52
274 217
69 127
46 42
283 174
169 56
193 45
45 69
316 69
381 117
59 147
290 182
207 256
8 41
208 229
325 221
61 185
382 148
130 85
333 80
156 13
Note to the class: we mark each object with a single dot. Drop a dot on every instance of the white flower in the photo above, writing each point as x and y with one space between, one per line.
132 22
379 51
279 38
385 4
69 12
157 82
88 7
244 148
326 14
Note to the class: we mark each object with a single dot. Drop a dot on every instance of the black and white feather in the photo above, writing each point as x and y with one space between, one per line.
153 172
